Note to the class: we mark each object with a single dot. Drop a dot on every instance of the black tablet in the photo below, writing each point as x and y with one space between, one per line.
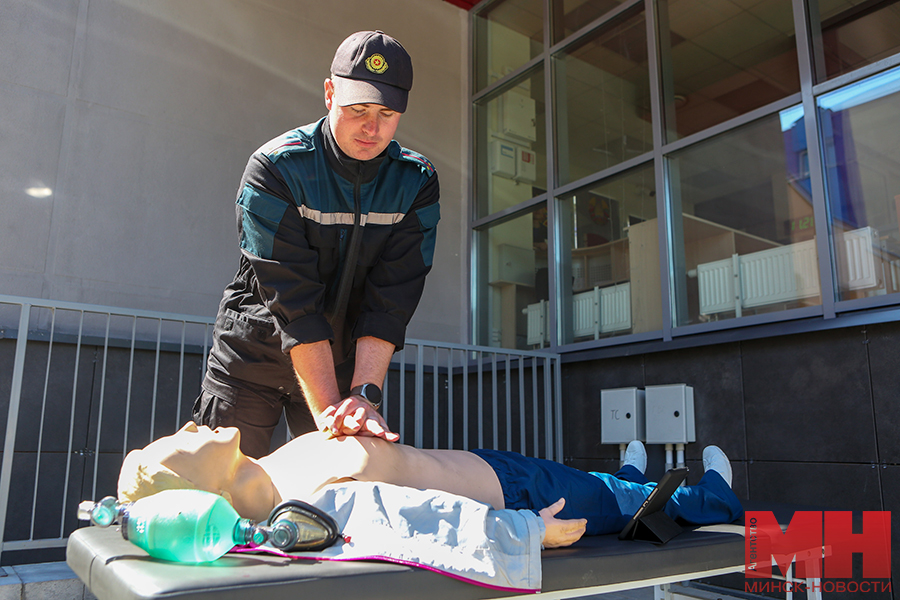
654 504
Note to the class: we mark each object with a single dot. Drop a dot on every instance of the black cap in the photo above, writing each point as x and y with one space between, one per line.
371 67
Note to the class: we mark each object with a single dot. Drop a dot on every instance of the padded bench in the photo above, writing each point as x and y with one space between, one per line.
114 569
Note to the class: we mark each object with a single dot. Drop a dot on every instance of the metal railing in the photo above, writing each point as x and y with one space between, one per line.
480 397
88 383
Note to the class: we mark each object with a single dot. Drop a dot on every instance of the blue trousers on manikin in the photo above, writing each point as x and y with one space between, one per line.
606 501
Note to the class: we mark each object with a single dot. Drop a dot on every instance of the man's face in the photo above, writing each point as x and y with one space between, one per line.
362 131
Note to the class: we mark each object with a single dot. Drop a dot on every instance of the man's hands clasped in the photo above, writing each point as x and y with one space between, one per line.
354 416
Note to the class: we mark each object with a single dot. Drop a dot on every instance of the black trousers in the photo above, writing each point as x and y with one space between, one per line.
254 417
257 418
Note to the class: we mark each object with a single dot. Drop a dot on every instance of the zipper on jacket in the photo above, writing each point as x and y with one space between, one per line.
348 269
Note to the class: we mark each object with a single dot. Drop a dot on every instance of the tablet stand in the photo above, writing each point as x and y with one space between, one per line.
657 528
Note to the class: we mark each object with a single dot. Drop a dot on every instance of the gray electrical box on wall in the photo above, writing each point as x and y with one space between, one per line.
670 414
621 415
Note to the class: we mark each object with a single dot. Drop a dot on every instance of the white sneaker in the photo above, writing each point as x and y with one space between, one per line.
636 456
715 460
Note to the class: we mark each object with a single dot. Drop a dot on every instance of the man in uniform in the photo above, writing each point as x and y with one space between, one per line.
337 225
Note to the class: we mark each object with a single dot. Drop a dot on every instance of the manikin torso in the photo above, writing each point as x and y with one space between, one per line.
307 463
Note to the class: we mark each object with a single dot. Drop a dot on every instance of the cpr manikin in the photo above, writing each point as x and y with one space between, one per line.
570 502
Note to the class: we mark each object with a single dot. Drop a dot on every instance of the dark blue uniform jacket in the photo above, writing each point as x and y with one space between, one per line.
296 207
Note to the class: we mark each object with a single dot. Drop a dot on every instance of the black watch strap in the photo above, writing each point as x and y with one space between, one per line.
370 392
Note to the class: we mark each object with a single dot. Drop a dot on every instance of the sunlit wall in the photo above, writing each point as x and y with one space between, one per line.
125 126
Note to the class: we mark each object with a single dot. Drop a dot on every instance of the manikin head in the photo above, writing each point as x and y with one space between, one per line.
192 458
371 76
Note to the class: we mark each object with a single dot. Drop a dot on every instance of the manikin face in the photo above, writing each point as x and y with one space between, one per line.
362 131
204 456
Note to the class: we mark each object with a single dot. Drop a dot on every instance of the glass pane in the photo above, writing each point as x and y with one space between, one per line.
612 263
721 60
743 223
511 152
853 33
513 283
603 95
508 34
571 15
862 175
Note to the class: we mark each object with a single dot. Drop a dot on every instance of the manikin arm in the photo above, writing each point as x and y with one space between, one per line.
560 532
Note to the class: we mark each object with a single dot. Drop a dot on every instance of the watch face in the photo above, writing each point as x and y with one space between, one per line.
372 393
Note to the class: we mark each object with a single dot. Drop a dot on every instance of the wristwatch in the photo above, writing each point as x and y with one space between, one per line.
370 392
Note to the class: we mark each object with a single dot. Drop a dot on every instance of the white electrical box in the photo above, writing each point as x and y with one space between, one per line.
526 165
517 115
503 158
670 414
621 415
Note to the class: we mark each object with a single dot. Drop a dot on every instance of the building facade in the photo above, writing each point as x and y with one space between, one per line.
701 192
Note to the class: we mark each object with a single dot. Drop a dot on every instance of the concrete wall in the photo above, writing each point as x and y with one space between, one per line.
131 122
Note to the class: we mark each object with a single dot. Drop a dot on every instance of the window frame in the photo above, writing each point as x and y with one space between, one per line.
832 313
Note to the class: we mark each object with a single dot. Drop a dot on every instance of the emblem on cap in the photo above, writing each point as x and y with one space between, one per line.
376 64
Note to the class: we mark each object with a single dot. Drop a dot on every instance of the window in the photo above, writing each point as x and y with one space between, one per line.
507 35
610 272
860 130
744 234
511 152
724 60
571 15
852 34
603 99
654 170
513 282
